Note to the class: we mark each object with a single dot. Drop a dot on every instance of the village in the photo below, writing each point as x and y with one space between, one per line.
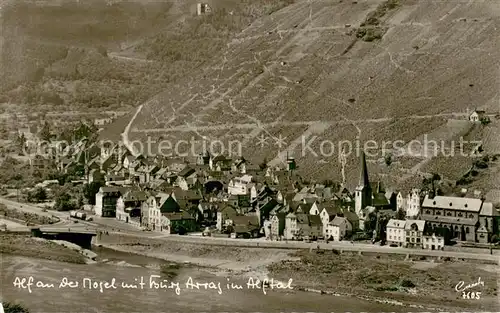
219 196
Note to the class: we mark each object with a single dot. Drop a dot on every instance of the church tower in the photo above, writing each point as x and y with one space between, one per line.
363 197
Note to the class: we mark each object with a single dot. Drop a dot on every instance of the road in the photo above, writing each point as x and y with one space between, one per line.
125 137
117 227
292 123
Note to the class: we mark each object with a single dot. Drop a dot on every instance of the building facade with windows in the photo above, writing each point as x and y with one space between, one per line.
396 232
414 231
459 215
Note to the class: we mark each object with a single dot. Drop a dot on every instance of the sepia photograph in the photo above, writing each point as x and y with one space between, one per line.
282 156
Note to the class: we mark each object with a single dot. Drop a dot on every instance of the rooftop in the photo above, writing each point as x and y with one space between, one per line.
455 203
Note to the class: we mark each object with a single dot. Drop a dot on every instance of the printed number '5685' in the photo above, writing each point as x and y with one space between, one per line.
471 295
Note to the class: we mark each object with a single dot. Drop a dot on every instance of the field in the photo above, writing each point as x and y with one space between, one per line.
303 71
90 56
391 276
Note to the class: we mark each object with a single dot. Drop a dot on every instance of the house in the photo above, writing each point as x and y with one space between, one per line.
208 213
224 214
246 226
300 225
186 178
240 185
489 222
433 242
277 226
460 215
239 166
157 205
108 163
203 158
395 232
177 223
477 116
105 201
436 239
95 175
146 172
203 8
314 209
327 215
220 163
351 217
264 210
39 162
338 229
413 204
128 207
414 231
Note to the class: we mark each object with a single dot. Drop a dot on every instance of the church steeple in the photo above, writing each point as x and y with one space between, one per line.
363 177
363 196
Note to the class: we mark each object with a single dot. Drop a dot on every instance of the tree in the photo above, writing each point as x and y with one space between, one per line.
90 190
63 202
388 160
37 195
14 308
85 130
263 165
21 141
400 214
103 51
45 133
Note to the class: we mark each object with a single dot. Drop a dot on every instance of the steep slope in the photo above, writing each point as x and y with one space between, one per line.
303 71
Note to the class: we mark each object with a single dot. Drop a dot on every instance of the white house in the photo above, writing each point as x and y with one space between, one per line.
240 185
476 116
413 204
414 233
401 202
338 228
395 233
327 215
314 209
433 242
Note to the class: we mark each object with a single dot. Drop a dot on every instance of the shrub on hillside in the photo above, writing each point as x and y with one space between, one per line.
14 308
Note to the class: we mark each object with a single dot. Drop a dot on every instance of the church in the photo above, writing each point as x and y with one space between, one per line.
369 198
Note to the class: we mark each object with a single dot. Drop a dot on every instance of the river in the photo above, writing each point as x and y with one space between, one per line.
126 267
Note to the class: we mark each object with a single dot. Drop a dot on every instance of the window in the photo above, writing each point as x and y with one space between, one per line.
433 239
390 237
448 214
418 240
407 233
399 238
471 215
428 212
438 212
460 214
407 239
412 239
427 239
466 230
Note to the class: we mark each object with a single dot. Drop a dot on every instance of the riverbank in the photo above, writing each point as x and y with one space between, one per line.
413 281
221 260
420 283
25 245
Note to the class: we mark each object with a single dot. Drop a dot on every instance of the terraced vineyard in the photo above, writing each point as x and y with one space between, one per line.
305 67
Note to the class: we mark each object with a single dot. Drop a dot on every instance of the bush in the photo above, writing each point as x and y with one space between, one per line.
14 308
481 164
407 283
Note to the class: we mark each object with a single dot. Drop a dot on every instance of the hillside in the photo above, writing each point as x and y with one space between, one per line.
113 55
383 69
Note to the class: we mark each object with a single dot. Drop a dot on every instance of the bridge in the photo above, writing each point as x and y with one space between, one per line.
79 235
